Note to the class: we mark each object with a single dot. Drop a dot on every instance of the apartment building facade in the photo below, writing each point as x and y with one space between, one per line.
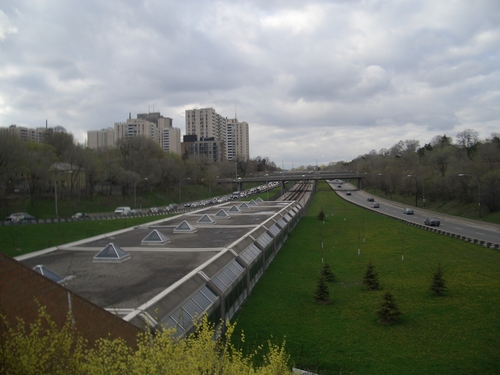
28 134
207 123
150 125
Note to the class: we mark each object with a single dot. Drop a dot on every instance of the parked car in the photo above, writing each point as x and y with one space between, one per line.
375 205
124 211
432 221
80 215
370 199
408 211
348 193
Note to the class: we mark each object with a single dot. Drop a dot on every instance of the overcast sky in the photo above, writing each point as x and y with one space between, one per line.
316 80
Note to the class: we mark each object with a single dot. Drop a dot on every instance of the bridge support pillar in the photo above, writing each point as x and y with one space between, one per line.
239 186
283 187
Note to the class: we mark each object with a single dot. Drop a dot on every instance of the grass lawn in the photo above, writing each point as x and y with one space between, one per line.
455 334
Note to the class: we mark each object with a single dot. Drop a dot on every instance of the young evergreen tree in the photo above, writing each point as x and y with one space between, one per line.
370 279
322 293
321 215
327 273
438 285
388 312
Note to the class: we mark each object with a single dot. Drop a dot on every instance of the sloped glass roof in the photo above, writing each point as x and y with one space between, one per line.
282 223
274 230
234 209
226 277
264 240
259 200
184 227
243 206
112 253
250 254
155 238
205 219
48 273
252 203
221 214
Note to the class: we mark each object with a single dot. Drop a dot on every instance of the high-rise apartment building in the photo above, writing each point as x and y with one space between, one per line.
150 125
206 123
237 140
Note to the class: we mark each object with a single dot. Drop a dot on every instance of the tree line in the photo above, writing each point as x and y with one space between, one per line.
137 162
465 169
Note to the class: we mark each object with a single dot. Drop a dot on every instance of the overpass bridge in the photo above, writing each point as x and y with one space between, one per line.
284 177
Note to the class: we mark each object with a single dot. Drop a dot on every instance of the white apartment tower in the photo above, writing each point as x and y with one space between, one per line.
207 123
237 140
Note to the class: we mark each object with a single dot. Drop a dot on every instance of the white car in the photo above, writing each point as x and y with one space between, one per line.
122 211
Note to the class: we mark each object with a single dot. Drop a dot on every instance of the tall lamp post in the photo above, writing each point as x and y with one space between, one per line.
180 191
135 195
478 190
55 188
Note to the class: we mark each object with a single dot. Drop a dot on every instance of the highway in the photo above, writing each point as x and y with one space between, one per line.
468 228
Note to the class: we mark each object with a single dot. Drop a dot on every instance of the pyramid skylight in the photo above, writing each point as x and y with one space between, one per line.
252 203
234 210
184 227
48 273
205 219
259 200
243 206
112 253
155 238
222 215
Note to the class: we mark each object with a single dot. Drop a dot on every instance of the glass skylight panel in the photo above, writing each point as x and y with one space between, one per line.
192 308
282 223
48 273
219 284
274 230
288 217
224 279
201 300
264 240
235 268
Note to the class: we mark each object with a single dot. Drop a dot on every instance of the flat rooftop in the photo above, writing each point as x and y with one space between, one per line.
152 268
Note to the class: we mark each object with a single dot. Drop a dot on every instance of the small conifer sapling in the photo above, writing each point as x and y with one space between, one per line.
370 279
388 312
322 294
438 285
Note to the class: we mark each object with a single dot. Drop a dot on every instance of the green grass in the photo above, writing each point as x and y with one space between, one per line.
455 334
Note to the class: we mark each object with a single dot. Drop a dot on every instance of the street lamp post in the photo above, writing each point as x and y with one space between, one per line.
55 189
180 191
135 195
478 190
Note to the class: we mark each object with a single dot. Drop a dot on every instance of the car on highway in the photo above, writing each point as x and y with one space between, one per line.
375 205
432 221
408 211
136 211
80 215
370 199
155 210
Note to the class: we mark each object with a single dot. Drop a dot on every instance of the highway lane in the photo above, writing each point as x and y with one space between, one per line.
473 229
